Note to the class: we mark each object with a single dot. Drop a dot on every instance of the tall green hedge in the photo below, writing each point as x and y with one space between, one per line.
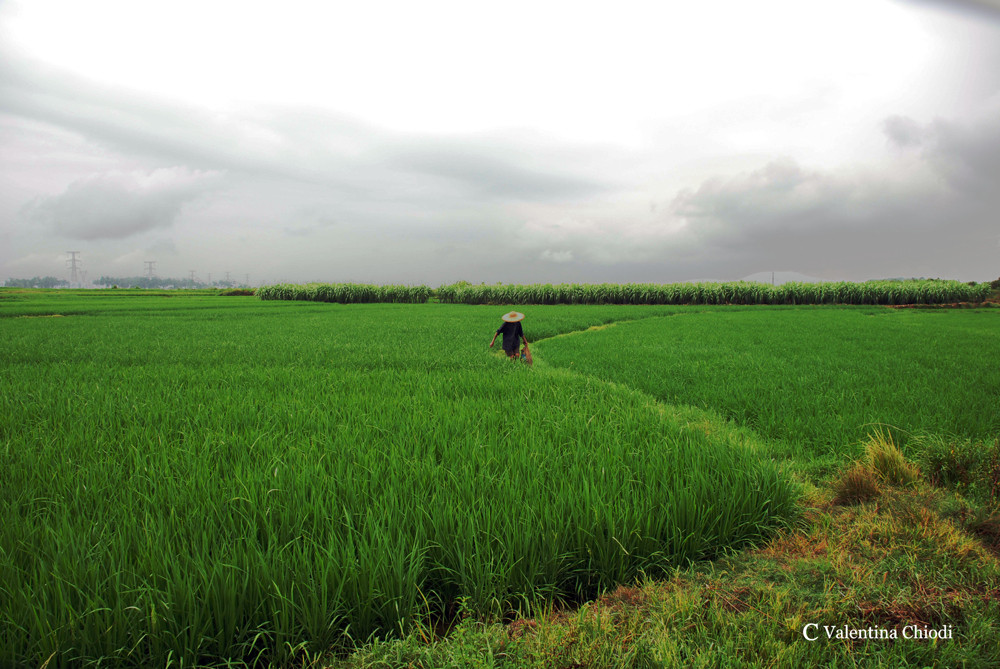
929 291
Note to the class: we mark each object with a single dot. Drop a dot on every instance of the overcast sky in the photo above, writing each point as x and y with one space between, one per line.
428 142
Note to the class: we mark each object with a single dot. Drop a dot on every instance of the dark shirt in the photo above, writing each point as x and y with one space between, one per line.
512 334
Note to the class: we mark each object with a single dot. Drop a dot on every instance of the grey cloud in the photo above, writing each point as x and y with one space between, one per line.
980 9
903 131
930 212
298 172
461 200
300 231
781 192
968 154
116 205
308 220
556 256
264 143
485 171
333 151
918 220
162 247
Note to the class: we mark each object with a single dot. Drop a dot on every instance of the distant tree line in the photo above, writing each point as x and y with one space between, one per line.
157 282
37 282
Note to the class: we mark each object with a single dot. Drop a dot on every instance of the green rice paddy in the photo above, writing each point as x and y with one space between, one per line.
201 480
813 381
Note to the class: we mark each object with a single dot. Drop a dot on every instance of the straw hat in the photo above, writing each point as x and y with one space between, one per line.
513 317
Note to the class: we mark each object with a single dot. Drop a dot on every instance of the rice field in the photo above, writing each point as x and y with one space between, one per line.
207 480
814 382
251 484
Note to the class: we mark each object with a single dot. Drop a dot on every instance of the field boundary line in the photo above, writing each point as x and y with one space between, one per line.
707 421
604 326
700 418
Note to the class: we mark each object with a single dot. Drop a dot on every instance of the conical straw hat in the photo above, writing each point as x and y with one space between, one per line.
513 317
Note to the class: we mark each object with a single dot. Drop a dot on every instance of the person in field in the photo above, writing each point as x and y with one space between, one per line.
512 335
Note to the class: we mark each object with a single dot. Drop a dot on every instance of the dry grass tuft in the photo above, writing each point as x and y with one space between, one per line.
624 597
858 484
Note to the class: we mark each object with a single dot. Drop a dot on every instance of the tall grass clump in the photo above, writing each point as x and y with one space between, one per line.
887 460
883 464
345 293
929 291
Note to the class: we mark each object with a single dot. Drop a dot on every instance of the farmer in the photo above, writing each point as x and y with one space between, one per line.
512 334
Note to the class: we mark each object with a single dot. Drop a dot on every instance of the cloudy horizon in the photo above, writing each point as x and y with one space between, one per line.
537 142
